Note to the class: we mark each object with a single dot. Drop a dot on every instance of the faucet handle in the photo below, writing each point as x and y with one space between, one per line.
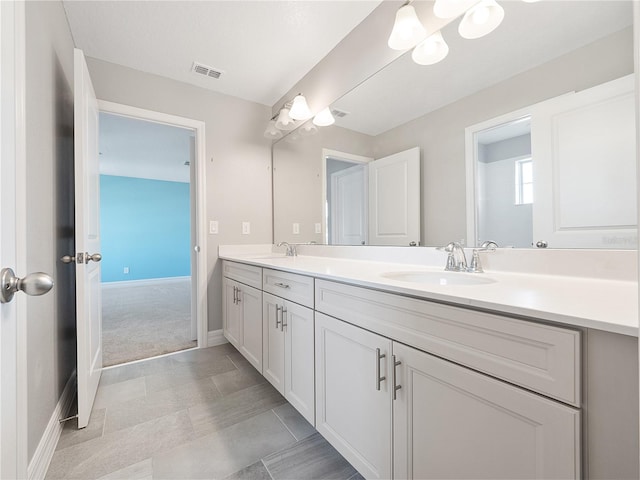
475 266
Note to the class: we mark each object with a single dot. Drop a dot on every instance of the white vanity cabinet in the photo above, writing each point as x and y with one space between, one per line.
447 420
288 333
242 310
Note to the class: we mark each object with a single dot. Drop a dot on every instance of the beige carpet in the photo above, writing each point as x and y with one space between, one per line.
143 321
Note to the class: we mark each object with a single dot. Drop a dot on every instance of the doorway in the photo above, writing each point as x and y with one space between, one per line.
148 221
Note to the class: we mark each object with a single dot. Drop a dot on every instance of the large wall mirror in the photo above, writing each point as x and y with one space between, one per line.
450 115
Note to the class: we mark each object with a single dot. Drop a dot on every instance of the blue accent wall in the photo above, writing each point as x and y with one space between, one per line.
145 226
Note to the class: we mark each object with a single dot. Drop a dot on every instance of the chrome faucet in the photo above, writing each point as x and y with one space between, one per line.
457 260
291 249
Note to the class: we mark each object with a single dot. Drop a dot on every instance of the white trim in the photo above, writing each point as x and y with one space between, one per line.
347 157
216 337
200 193
49 441
143 282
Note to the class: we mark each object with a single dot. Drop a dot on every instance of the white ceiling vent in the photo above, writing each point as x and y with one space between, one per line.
338 113
205 70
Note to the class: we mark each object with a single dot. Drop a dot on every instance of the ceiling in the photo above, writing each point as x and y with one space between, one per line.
530 35
131 147
262 47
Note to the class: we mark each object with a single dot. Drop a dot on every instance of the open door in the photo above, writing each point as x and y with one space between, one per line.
394 199
349 206
87 258
584 168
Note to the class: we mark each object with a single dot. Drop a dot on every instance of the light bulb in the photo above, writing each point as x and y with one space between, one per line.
299 108
482 19
284 121
431 50
324 118
407 29
480 15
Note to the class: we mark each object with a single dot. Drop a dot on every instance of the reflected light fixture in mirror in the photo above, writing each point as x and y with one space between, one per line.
481 20
308 129
299 108
432 49
284 121
324 118
272 132
407 30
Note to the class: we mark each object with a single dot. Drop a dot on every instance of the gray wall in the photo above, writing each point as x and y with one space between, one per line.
51 334
440 134
238 156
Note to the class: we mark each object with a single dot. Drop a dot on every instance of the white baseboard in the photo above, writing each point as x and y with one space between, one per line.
144 282
216 337
39 464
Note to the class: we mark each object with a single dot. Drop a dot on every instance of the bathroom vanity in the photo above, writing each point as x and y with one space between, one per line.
412 372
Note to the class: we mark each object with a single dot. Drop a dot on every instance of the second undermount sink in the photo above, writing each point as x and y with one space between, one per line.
439 278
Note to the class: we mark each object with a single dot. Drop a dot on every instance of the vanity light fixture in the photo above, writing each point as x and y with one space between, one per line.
308 129
299 108
431 50
481 19
284 121
272 132
407 30
324 118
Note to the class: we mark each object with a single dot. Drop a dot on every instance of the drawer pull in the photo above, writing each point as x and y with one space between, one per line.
282 322
282 285
396 387
379 379
235 295
278 322
239 296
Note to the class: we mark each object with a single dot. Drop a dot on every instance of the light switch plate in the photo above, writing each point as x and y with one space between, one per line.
213 227
296 229
246 228
318 228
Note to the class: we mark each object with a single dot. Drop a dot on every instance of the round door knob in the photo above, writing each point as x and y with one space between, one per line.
68 259
33 284
542 244
96 257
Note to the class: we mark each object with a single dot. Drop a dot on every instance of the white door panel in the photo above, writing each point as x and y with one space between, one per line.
394 199
584 152
349 206
87 224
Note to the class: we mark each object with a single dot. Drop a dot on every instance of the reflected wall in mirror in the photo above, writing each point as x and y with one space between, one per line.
527 60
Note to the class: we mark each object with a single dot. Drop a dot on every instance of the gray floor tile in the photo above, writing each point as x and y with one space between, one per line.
109 453
72 436
311 458
203 355
295 422
236 380
185 373
240 362
356 476
224 452
234 408
160 403
138 471
256 471
109 395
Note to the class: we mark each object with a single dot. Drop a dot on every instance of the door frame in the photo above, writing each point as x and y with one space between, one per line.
13 338
199 188
347 157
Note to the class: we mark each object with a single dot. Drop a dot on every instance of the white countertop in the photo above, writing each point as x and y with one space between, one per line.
603 304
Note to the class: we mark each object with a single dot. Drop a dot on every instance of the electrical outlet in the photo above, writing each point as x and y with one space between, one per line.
213 227
318 228
125 270
296 229
246 228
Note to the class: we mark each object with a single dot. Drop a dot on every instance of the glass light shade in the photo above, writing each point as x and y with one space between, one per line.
272 132
482 19
407 31
284 121
299 108
324 118
451 8
308 129
431 50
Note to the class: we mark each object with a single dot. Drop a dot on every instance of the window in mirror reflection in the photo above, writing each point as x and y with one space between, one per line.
524 181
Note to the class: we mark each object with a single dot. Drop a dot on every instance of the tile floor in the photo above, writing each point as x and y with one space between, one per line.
196 414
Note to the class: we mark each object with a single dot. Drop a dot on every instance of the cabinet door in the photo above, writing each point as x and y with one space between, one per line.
232 320
452 422
251 306
299 359
273 341
351 413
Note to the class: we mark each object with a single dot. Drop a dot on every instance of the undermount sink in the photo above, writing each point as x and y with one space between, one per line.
439 278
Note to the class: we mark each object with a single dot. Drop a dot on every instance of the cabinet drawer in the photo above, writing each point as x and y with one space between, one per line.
247 274
540 357
297 288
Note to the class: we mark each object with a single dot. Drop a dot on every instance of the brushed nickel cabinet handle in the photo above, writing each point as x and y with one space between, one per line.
283 323
396 387
379 379
278 322
282 285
